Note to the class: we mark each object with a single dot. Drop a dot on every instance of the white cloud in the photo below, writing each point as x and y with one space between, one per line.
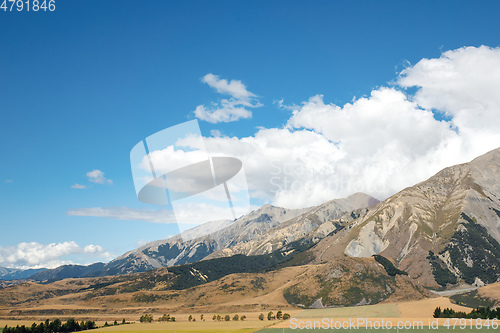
234 88
462 83
97 176
224 113
126 213
37 255
381 143
215 133
281 104
9 181
227 110
192 213
377 144
78 186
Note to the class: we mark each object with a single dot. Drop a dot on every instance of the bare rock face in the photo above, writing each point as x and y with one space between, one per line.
316 219
442 231
196 244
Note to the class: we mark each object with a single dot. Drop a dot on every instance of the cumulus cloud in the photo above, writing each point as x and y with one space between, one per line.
78 186
376 144
462 83
37 255
97 176
227 110
381 143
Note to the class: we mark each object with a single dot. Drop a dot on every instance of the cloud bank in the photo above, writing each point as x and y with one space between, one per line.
37 255
377 144
380 143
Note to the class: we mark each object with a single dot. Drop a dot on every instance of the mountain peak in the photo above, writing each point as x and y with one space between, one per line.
454 214
361 200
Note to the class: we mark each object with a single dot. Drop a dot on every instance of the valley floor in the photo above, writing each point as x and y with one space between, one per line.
416 314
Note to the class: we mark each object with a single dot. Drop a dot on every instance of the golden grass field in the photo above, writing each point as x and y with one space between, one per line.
394 312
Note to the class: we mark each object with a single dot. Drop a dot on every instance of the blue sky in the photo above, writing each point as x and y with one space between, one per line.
80 86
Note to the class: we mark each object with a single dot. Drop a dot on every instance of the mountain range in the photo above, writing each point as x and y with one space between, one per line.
262 231
8 274
441 233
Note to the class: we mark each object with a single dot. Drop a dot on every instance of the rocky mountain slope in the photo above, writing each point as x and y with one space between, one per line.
443 231
300 226
183 248
262 231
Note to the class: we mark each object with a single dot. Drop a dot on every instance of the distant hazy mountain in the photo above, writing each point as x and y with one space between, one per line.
444 230
68 271
17 274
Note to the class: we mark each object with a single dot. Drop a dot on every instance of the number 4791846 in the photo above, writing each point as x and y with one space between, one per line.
28 5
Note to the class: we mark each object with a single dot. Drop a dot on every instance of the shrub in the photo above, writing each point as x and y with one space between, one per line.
279 315
147 318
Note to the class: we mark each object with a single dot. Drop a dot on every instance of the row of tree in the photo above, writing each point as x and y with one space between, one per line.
55 326
227 317
481 312
166 317
148 318
115 323
279 315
